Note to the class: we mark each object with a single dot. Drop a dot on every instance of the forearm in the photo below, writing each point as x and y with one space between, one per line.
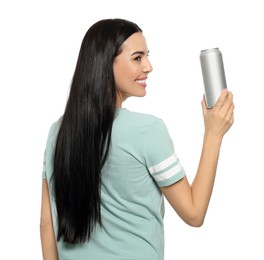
48 243
191 201
203 183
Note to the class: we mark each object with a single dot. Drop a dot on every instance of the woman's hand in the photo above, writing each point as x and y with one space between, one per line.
220 118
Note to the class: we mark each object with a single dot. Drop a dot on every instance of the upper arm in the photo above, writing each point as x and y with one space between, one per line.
45 204
160 157
179 196
166 169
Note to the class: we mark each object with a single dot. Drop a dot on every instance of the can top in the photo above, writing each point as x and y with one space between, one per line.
210 50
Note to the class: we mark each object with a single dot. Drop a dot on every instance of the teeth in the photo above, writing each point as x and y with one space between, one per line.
141 81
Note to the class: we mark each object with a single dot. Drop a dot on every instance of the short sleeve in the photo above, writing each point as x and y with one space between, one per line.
161 159
49 149
44 176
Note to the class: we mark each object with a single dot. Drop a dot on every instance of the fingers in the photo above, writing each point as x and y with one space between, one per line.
226 106
230 113
220 118
221 100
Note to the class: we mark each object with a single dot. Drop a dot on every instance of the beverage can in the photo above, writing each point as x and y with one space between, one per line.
213 75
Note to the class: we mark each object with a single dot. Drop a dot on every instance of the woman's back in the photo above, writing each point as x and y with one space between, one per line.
132 206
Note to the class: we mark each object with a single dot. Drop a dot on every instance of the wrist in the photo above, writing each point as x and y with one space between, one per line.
213 138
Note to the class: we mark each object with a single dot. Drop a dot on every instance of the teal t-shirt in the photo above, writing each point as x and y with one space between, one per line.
141 159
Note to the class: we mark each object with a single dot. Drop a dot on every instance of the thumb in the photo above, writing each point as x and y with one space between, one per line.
203 103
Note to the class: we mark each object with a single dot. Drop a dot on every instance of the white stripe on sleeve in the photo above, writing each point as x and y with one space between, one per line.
164 164
166 175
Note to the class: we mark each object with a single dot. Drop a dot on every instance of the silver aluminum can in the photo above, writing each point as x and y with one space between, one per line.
213 75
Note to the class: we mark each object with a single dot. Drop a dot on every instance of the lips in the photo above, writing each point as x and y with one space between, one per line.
142 82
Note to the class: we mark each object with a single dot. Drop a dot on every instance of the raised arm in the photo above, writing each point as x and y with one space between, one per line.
191 201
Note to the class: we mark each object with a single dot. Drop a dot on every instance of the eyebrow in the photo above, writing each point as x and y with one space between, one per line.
139 52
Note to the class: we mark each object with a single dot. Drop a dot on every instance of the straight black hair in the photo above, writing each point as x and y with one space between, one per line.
84 137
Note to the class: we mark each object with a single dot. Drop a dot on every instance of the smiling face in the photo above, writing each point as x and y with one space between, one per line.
131 68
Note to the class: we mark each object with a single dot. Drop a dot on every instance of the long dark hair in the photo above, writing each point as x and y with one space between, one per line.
85 133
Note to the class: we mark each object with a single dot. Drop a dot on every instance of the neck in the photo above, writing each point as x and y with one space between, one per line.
119 101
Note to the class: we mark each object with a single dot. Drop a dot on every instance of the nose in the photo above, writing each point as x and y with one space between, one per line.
147 66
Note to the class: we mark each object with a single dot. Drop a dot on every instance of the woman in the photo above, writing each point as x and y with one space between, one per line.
107 168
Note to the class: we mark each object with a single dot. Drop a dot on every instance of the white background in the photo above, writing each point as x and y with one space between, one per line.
39 44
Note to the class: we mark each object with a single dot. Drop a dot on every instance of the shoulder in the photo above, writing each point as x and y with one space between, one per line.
136 119
53 131
137 126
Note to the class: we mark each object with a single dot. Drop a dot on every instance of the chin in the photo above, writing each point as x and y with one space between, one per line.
141 94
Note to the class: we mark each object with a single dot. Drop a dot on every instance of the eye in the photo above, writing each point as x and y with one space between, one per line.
138 58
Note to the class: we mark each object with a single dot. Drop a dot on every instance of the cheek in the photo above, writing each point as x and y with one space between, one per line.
119 76
130 72
121 73
125 73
